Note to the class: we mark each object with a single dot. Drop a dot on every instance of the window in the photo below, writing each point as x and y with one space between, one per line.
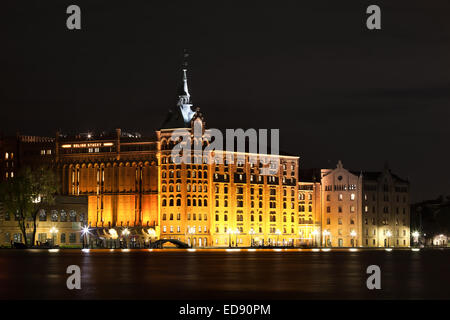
42 215
54 216
352 196
73 238
63 238
73 216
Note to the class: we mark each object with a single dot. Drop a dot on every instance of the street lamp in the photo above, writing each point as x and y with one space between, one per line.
415 235
314 233
191 231
252 232
389 235
237 232
278 232
230 232
151 234
325 234
300 233
125 234
353 235
53 231
85 233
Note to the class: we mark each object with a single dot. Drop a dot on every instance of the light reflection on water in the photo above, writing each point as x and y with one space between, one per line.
224 274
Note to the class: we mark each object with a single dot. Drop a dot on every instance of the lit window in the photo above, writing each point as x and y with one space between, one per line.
352 196
6 155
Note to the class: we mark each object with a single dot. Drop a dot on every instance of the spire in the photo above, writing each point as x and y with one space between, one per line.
184 98
184 91
181 116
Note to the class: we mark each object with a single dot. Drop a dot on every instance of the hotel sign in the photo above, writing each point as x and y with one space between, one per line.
88 145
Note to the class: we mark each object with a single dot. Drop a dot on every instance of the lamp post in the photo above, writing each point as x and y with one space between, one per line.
191 231
85 233
151 234
314 234
278 232
230 232
389 235
415 235
353 235
53 231
300 233
237 232
325 234
252 232
125 234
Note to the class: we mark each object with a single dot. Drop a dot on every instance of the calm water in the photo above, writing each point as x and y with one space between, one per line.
220 274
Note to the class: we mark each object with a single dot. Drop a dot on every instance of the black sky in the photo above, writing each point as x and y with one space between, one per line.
335 89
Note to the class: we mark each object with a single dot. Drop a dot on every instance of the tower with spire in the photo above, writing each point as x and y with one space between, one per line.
182 115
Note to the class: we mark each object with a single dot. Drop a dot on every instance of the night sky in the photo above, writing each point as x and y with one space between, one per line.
310 68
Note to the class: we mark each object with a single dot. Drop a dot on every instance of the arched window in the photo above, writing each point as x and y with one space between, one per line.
205 203
42 215
178 202
63 216
164 202
73 216
54 215
171 203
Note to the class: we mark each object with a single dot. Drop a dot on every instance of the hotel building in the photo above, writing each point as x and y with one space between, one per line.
129 190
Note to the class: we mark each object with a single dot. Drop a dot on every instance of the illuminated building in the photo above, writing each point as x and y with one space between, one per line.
131 182
369 209
136 193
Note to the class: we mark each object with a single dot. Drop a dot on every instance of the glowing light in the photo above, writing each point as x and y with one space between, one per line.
191 250
326 249
277 250
113 233
233 250
388 249
85 250
415 234
125 232
415 249
388 234
353 249
53 230
150 250
85 230
125 250
66 146
151 232
353 233
53 250
315 250
251 250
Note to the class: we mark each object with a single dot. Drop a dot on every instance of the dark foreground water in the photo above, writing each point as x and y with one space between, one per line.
221 274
